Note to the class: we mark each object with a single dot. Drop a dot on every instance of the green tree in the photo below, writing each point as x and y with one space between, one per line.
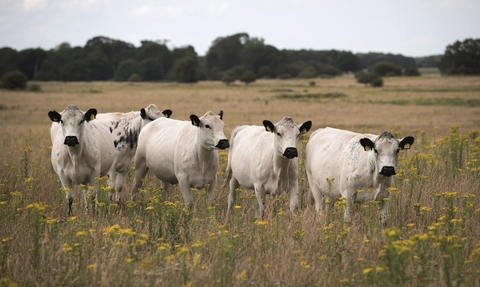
100 69
30 61
348 62
368 78
386 68
75 70
248 77
151 70
8 60
411 71
229 77
461 58
185 70
14 80
225 52
126 69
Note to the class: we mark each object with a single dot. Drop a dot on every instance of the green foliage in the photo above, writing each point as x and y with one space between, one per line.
411 71
248 77
14 80
134 78
151 70
370 59
377 82
34 88
229 77
386 69
461 58
368 78
307 73
75 71
184 70
126 69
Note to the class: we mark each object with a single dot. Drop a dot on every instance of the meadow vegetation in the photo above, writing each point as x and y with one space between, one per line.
431 238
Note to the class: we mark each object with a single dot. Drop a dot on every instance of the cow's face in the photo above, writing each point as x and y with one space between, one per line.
210 130
72 121
152 113
385 149
286 134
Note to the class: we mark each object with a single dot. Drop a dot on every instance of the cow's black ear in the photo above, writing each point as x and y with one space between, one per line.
143 113
367 144
269 126
54 116
167 113
406 142
220 114
90 114
195 120
305 127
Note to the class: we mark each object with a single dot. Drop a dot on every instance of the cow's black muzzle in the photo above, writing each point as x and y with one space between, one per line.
388 171
290 152
222 144
71 140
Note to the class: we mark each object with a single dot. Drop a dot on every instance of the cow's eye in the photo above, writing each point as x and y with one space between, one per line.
81 122
398 150
278 134
375 150
207 126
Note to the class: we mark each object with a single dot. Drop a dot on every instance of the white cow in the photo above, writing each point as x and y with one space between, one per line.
352 162
181 152
265 161
125 128
82 149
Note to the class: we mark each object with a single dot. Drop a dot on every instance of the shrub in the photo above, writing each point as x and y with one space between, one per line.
34 88
126 69
411 71
248 77
383 68
377 82
228 77
134 78
14 80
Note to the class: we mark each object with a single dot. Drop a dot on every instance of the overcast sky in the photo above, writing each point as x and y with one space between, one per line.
408 27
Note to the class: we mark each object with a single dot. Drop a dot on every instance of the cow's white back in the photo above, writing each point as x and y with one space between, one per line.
183 152
352 162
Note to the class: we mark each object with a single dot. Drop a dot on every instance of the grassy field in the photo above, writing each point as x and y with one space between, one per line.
431 239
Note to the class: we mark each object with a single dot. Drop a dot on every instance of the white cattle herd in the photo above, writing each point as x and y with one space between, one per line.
339 163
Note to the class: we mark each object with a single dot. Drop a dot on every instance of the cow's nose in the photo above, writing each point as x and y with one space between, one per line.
388 171
222 144
290 152
71 140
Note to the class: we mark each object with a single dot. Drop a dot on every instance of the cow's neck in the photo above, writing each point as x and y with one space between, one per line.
75 152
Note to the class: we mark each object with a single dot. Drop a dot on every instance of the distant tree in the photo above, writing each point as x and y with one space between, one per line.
14 80
377 82
256 55
367 78
265 72
151 70
307 73
225 52
30 61
49 72
126 69
160 52
461 58
229 77
348 62
370 59
8 60
100 69
383 68
134 78
184 70
75 70
248 77
411 71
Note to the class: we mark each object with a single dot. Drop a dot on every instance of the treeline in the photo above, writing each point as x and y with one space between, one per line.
229 57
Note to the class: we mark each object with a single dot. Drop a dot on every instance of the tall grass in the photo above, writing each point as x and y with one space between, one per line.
431 239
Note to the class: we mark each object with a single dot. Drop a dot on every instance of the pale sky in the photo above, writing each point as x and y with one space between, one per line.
408 27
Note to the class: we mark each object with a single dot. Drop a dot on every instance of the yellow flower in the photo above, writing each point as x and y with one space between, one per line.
81 234
261 223
367 271
91 266
241 276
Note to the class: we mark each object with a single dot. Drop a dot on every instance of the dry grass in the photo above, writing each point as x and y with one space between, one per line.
432 237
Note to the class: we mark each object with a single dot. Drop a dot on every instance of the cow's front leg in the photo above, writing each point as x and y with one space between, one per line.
260 195
383 212
211 191
185 189
347 216
293 195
